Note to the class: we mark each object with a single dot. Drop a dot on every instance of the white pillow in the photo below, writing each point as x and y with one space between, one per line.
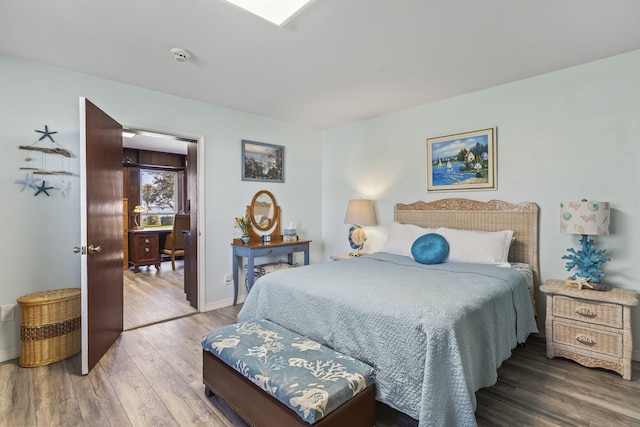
478 247
401 238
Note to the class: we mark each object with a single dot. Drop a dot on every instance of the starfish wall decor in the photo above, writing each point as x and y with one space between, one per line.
63 189
46 133
42 188
30 181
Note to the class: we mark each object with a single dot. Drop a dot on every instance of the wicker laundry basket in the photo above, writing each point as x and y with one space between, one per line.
50 328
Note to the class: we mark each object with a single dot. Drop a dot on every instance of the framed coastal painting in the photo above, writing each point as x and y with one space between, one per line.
462 161
262 162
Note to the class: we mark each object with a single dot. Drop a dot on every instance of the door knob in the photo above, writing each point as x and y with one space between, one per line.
91 249
77 250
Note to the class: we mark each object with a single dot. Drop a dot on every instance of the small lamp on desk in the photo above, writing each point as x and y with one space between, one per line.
587 219
137 219
359 211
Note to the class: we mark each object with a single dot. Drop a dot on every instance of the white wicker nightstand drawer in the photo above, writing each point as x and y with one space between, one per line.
604 342
590 312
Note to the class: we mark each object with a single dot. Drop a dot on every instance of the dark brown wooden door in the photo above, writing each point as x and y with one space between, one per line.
192 202
101 232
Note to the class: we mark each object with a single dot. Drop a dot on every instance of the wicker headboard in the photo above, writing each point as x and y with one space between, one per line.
494 215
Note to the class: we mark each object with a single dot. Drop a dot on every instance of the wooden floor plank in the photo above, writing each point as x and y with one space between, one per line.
529 404
565 394
595 401
102 391
61 414
491 412
182 361
180 399
152 295
88 401
140 401
16 395
135 344
54 398
227 417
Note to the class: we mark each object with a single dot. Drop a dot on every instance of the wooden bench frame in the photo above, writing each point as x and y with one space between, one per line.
260 409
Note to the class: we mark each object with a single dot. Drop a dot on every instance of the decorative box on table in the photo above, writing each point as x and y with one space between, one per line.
50 328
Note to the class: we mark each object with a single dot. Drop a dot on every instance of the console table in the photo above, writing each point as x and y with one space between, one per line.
254 250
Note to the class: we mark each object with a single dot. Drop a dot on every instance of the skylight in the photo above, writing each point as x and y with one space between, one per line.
275 11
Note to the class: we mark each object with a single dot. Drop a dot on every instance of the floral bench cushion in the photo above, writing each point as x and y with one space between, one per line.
306 376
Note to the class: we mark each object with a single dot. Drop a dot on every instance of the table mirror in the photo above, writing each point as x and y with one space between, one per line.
263 211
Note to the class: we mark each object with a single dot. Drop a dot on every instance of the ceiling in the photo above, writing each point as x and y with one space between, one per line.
336 62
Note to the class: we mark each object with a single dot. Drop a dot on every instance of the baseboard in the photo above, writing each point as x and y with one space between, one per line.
223 303
12 353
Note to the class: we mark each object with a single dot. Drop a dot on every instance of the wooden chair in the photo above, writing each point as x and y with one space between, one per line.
174 245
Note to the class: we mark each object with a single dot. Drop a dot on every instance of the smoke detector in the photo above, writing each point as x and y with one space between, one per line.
180 54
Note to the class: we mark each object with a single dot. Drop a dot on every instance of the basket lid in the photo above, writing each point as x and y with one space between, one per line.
48 296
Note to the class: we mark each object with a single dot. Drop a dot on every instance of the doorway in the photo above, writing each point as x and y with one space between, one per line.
160 174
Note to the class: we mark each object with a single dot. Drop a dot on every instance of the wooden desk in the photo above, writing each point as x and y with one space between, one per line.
144 247
254 250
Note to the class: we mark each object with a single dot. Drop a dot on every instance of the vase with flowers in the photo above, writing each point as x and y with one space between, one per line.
243 223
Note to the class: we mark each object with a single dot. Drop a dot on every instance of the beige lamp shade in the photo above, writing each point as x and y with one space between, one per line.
585 217
360 211
137 211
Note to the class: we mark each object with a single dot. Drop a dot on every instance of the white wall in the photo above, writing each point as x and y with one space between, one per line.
566 135
40 232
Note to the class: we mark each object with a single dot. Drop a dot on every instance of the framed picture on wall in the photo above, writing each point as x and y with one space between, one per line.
262 162
462 161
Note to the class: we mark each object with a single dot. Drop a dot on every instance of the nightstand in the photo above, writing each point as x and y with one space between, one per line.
590 327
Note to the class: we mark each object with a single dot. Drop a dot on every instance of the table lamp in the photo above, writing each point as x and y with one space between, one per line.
359 211
587 219
137 211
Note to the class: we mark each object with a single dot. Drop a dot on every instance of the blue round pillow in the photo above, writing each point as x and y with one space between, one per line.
431 248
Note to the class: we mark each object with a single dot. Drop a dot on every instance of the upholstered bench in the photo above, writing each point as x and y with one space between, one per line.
273 377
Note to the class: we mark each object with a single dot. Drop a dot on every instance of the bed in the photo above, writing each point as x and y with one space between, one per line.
435 333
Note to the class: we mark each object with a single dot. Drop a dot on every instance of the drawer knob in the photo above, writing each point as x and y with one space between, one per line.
146 249
269 251
146 240
583 339
586 312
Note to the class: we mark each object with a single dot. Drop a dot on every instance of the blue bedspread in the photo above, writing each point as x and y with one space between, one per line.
433 333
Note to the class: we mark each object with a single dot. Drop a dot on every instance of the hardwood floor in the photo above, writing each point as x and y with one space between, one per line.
152 296
152 376
534 390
